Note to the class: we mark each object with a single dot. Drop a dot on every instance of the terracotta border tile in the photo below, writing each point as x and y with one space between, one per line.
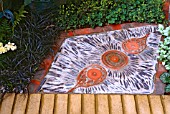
166 9
97 30
107 28
70 33
160 69
83 31
127 25
116 26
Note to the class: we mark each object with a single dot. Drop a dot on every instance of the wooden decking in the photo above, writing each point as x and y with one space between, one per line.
84 104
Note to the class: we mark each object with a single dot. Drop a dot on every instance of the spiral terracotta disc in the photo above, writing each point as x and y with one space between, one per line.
114 59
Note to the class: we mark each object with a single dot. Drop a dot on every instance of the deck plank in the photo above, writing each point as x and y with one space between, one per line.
142 104
88 104
20 104
129 106
85 104
155 104
61 101
166 103
74 104
7 103
47 104
102 105
33 104
115 104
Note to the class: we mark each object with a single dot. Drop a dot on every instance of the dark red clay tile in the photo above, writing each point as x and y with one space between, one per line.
36 82
55 48
159 87
166 6
116 26
136 24
70 33
166 15
166 9
32 88
127 25
40 75
59 42
47 62
98 29
63 35
83 31
160 69
107 28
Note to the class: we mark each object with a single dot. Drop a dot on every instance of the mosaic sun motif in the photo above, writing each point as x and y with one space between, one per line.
121 61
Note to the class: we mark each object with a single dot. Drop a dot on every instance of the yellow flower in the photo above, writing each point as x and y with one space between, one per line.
3 50
1 44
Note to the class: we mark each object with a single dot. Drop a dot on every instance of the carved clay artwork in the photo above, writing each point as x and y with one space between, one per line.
120 61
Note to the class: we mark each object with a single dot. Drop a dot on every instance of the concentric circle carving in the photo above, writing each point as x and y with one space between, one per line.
114 59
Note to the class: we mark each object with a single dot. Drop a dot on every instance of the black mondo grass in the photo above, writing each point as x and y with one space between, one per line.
34 40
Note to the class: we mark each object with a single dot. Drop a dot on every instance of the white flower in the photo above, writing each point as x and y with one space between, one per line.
3 50
11 46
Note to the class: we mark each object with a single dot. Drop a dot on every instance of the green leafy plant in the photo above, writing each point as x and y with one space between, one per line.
164 55
165 78
5 30
164 47
92 13
34 39
18 16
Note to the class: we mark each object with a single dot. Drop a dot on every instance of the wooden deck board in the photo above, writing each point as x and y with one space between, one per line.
74 104
84 104
102 104
142 104
115 104
156 104
61 101
166 103
88 104
129 106
33 104
7 103
47 104
20 104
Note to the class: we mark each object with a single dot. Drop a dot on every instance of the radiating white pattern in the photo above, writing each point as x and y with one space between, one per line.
79 52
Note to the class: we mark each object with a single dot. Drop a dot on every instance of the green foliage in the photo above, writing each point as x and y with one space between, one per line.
167 88
164 47
98 12
164 55
18 16
34 39
5 30
165 78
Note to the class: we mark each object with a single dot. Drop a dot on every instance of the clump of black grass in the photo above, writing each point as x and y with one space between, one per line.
34 38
